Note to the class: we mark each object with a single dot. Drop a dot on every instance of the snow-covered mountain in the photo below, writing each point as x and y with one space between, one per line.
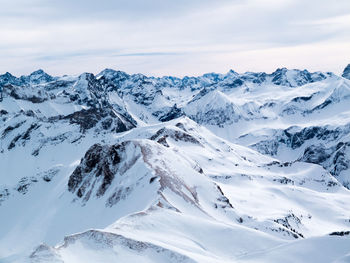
251 167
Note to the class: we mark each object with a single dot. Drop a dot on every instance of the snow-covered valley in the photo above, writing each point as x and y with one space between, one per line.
251 167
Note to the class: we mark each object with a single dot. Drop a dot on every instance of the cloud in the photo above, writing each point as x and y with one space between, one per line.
171 37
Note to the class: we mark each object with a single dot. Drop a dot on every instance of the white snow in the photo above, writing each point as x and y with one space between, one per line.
183 190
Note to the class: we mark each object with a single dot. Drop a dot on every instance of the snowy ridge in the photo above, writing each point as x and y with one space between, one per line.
232 167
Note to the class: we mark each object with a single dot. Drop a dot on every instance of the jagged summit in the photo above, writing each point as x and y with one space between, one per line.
36 77
113 75
8 78
295 77
38 72
282 76
346 72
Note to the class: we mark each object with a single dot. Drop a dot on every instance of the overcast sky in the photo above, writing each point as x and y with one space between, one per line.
173 37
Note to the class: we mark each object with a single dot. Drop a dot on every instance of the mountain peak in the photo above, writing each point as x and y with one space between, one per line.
346 72
295 77
107 71
232 72
86 75
112 74
37 77
38 72
8 78
284 69
7 74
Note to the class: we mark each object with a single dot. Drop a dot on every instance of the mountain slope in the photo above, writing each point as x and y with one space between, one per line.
229 167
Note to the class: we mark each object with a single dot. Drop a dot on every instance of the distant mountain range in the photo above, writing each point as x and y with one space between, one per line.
114 167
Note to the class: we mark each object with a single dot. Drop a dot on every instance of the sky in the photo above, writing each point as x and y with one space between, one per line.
173 37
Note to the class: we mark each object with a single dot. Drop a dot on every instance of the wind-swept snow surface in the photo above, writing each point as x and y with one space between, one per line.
232 167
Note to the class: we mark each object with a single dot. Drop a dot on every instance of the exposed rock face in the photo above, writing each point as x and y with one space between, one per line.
177 135
33 95
35 78
346 72
109 119
173 113
8 78
295 78
331 149
315 154
96 171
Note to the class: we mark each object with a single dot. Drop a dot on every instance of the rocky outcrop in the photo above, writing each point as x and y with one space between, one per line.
295 78
323 145
346 72
96 171
108 118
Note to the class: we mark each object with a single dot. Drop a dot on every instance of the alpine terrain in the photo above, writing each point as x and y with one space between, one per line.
113 167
